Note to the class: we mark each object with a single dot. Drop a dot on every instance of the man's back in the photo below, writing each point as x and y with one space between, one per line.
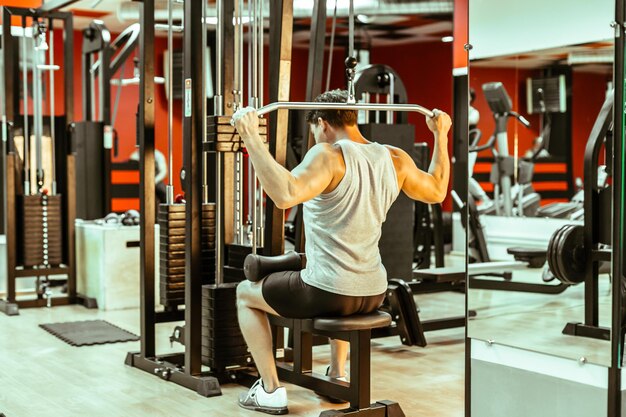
343 225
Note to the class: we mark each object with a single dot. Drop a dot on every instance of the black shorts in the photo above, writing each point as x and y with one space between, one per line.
291 297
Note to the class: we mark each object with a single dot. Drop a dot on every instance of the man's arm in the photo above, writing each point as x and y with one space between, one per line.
430 187
286 189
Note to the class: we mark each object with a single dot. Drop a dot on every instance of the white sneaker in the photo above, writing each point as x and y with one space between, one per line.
258 399
330 399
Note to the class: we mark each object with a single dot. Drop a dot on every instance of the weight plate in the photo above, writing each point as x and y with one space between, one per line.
572 262
557 254
552 251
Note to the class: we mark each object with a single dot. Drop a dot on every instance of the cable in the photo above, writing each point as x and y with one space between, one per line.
332 46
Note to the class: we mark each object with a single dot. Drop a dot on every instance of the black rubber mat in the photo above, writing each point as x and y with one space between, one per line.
87 333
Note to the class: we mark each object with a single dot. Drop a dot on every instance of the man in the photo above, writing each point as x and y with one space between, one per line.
347 185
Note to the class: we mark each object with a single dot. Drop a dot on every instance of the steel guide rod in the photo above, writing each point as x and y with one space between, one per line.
170 104
254 102
219 110
25 130
259 190
37 105
239 167
390 99
52 109
205 110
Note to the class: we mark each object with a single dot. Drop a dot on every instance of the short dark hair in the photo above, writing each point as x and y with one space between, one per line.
335 118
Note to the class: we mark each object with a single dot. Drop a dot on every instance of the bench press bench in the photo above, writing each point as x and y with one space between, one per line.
354 329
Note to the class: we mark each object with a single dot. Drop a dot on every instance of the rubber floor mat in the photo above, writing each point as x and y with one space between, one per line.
87 333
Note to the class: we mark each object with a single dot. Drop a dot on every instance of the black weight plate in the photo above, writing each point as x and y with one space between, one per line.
172 263
168 240
572 260
221 333
173 278
225 352
225 342
552 251
559 255
166 254
217 364
173 232
172 286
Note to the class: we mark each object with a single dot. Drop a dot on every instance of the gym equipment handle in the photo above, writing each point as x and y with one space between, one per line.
290 105
257 267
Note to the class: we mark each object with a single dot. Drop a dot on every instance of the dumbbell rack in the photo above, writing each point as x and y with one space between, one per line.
39 228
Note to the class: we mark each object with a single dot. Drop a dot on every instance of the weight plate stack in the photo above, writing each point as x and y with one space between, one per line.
223 344
172 223
41 231
235 257
222 137
566 254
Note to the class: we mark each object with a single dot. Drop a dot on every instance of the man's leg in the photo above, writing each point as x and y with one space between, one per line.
252 311
338 357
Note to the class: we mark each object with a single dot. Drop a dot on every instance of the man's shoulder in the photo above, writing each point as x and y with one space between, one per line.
396 152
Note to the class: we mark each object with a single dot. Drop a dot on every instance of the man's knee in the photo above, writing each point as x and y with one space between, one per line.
244 294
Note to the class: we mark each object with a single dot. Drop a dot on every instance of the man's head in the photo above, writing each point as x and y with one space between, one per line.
326 123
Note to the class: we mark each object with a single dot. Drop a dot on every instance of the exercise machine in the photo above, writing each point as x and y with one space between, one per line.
39 168
95 136
505 166
578 254
206 322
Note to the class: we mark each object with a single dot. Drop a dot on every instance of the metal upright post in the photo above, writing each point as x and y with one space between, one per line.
314 78
281 31
146 180
192 152
619 224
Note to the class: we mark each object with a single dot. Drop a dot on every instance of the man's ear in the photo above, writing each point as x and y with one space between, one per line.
323 124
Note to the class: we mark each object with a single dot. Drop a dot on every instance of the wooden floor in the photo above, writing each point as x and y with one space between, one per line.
535 321
42 376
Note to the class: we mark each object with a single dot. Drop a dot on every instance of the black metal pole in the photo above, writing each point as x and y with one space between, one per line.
193 135
146 176
615 386
68 68
315 71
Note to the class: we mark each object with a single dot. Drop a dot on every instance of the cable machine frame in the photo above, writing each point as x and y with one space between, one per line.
10 305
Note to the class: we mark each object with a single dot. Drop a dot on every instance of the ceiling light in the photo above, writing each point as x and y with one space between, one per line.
590 57
447 39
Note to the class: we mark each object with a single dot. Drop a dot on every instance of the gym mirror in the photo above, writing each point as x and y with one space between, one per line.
540 121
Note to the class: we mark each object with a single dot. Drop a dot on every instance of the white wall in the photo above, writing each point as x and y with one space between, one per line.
505 27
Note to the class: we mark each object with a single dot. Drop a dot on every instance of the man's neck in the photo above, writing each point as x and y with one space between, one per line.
349 132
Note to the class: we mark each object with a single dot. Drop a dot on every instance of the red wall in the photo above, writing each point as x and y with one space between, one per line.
432 88
125 123
426 70
588 92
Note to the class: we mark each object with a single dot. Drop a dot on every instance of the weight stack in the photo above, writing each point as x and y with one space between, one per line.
42 231
223 344
172 222
235 255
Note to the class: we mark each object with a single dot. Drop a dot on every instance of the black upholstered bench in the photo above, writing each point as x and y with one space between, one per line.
357 331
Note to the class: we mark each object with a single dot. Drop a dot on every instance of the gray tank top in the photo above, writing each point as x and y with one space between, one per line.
342 227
